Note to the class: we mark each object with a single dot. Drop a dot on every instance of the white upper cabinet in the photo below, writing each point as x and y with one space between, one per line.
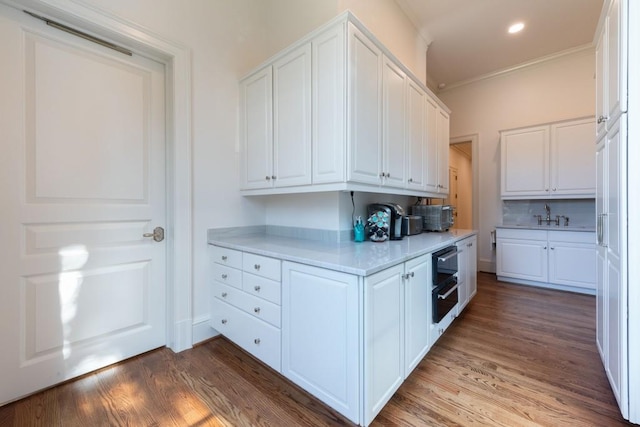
256 131
335 112
329 106
548 161
394 82
365 97
572 161
292 118
416 169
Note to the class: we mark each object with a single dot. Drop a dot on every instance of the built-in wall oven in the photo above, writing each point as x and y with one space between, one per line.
444 294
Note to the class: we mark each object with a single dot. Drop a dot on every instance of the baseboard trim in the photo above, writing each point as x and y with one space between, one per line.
202 331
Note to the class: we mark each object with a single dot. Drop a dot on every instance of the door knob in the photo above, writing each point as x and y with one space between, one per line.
158 234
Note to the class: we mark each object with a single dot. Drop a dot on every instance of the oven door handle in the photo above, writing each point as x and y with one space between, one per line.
445 296
449 256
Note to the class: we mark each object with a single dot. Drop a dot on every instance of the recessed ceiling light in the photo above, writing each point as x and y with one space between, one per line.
516 28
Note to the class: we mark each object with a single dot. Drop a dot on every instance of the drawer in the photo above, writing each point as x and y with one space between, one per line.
261 287
253 335
254 306
228 275
588 237
513 233
261 266
227 257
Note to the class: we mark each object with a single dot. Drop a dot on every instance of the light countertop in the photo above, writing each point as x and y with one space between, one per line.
362 259
551 227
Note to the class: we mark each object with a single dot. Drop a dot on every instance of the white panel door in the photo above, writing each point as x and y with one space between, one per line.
416 137
572 162
393 124
417 311
442 131
82 178
432 145
525 162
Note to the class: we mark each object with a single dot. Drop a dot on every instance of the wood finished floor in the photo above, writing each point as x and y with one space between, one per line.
517 356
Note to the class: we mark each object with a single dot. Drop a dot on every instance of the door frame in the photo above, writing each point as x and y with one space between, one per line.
177 60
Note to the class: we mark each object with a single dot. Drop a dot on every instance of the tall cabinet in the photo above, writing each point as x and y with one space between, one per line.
617 202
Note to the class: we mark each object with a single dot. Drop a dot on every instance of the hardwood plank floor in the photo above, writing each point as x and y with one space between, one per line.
517 356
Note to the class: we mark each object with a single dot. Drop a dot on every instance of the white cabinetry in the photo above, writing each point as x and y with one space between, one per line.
611 304
276 123
320 334
246 302
554 160
397 319
338 112
560 259
467 271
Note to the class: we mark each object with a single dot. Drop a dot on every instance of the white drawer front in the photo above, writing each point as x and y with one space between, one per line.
228 275
587 237
255 336
261 287
257 307
262 266
228 257
514 233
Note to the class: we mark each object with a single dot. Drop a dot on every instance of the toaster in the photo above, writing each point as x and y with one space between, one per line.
411 224
435 217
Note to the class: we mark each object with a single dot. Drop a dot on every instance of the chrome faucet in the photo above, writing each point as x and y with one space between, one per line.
548 219
548 210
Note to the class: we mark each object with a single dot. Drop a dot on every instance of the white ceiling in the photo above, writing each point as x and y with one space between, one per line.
469 38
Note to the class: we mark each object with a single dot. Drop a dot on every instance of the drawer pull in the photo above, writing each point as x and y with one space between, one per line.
256 310
256 288
224 276
224 295
256 266
257 341
224 257
224 321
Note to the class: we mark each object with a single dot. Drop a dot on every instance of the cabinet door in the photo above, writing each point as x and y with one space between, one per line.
616 60
320 335
522 259
602 97
292 118
525 162
472 266
572 160
383 338
417 314
432 146
256 127
443 152
572 264
416 137
601 254
365 100
463 288
329 106
393 124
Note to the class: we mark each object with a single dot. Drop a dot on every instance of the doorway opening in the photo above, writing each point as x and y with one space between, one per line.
463 181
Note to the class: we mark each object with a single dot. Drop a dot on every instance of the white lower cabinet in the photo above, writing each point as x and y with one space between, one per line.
245 306
467 271
320 334
564 259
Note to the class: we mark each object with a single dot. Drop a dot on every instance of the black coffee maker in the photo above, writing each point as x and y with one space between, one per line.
394 212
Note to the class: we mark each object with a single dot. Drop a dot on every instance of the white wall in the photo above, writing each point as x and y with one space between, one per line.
464 205
560 89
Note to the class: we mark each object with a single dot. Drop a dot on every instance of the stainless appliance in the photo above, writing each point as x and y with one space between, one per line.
395 212
444 293
435 217
411 224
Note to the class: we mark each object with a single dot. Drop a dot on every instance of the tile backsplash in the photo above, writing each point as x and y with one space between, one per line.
581 212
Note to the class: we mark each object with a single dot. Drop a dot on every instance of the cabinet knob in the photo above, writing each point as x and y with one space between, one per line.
413 273
273 177
224 295
381 174
410 179
602 119
388 175
555 189
256 288
552 248
224 276
256 310
268 178
223 321
544 248
256 341
256 266
224 257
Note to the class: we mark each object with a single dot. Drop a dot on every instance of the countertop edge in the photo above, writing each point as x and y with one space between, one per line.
406 255
579 229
